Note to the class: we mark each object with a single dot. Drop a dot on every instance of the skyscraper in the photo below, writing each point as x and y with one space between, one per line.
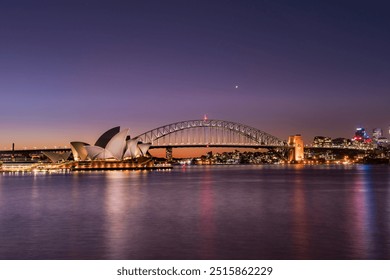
377 133
361 135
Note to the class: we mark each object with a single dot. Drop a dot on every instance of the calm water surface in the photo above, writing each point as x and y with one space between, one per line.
218 212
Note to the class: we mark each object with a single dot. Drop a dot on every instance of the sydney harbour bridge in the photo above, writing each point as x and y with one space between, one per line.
209 133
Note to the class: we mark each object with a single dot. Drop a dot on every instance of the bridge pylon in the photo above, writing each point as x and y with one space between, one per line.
295 155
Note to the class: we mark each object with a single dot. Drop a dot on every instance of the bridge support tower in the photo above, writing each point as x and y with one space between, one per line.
295 154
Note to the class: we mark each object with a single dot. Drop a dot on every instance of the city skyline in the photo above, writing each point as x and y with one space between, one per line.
370 136
70 70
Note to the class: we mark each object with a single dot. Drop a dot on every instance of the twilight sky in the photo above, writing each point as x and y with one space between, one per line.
70 70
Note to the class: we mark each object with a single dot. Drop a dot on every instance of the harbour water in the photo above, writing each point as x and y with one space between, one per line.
209 212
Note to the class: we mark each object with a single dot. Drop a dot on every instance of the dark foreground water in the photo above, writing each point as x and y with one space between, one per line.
227 212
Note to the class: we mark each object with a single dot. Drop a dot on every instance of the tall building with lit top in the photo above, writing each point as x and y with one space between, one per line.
361 135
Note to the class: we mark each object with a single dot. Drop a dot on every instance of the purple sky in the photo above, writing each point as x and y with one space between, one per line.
72 70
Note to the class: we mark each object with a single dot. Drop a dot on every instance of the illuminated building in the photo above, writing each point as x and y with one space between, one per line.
361 135
377 133
341 142
296 153
383 142
321 141
112 145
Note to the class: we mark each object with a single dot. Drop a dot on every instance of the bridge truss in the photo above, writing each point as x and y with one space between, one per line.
216 133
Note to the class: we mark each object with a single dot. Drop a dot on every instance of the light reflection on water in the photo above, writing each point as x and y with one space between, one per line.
364 215
207 218
218 212
300 230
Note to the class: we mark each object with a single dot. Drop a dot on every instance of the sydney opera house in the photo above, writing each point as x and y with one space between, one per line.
114 149
111 145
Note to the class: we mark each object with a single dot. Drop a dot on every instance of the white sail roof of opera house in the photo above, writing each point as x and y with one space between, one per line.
117 144
132 151
113 144
144 147
78 150
107 136
95 152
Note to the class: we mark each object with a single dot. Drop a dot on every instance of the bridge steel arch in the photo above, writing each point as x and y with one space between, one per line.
215 132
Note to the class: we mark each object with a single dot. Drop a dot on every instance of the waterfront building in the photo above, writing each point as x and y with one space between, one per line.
112 145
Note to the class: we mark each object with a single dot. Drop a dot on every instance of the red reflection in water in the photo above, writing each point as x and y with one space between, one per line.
360 217
207 220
